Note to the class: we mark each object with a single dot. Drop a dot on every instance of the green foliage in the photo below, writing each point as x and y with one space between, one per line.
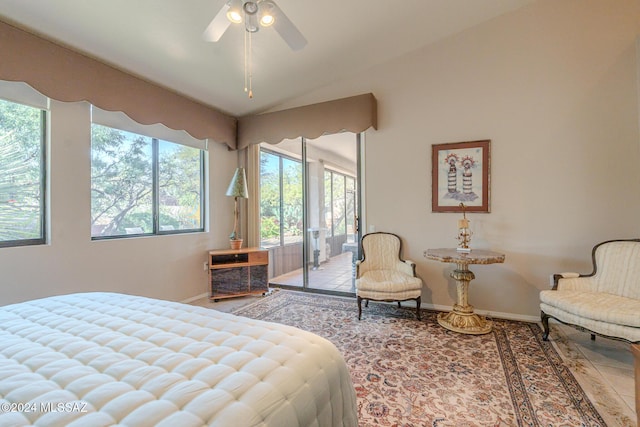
179 186
122 186
136 219
269 228
120 179
21 154
280 205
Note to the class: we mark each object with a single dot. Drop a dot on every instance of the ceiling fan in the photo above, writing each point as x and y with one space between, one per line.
254 14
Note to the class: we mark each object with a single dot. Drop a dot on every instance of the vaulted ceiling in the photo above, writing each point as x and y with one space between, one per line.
160 41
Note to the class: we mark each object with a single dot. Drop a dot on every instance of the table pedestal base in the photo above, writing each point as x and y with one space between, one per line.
462 319
465 323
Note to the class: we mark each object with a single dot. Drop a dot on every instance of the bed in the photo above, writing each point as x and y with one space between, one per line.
99 359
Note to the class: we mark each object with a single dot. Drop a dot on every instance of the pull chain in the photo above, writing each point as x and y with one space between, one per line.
245 62
250 67
248 71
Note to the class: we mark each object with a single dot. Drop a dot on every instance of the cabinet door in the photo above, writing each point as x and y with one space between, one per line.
229 281
260 278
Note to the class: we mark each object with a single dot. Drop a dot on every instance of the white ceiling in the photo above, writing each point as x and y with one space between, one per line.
160 40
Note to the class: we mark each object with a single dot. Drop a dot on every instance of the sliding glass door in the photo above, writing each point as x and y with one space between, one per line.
281 213
309 210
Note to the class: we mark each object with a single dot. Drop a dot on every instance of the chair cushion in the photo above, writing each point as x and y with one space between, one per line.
388 284
598 306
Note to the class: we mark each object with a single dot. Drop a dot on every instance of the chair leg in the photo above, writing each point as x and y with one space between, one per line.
366 303
593 337
545 324
418 308
359 307
399 306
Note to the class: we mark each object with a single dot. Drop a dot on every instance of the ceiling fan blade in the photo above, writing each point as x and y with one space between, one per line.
218 25
287 30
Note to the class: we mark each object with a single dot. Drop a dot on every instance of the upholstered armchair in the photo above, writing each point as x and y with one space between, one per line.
381 275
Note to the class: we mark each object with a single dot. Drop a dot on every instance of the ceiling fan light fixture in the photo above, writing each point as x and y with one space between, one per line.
253 13
250 16
234 17
267 20
266 13
234 14
251 24
250 8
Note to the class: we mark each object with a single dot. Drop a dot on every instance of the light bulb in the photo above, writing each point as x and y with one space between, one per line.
266 20
266 14
234 16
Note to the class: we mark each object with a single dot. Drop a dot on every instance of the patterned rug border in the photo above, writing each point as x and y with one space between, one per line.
280 299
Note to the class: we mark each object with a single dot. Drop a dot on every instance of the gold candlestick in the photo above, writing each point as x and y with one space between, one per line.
464 233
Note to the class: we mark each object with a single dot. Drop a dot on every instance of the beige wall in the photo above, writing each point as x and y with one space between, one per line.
168 267
553 85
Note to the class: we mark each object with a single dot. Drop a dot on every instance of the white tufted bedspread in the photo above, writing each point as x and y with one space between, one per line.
101 359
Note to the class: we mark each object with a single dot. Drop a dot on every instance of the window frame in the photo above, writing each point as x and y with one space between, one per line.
155 186
42 240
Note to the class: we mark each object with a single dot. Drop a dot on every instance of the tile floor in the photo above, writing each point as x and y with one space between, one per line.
336 275
603 367
600 364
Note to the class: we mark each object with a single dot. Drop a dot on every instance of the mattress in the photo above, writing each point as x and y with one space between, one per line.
101 359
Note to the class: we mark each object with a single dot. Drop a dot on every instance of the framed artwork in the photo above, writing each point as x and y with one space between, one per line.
460 174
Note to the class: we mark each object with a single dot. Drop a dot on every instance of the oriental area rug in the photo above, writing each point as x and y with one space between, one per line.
415 373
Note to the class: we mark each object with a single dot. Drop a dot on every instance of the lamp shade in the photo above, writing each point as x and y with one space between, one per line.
238 185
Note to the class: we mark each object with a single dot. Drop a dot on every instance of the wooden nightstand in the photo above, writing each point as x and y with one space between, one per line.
238 272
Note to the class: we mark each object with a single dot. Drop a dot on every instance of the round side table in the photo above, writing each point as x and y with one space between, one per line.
462 318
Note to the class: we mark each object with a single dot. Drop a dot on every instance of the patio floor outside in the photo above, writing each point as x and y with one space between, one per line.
336 274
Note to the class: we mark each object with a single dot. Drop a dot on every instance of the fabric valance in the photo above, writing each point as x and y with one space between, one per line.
64 75
119 120
355 114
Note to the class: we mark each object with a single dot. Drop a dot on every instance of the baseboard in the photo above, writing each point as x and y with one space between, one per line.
192 299
488 313
508 316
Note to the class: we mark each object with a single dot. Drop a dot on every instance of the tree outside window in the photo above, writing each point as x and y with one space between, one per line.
22 172
339 203
142 185
280 200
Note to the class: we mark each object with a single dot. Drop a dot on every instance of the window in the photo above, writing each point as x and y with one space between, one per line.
22 174
280 200
180 180
143 185
339 196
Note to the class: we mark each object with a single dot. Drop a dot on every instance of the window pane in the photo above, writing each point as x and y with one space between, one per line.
21 172
180 186
292 200
269 200
339 224
121 182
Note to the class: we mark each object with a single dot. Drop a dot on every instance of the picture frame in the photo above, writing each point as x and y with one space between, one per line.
460 173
